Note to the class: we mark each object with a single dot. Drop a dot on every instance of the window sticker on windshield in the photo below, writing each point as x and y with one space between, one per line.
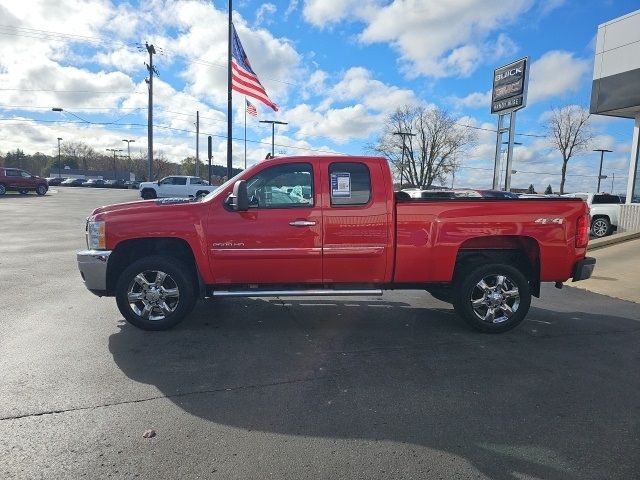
341 185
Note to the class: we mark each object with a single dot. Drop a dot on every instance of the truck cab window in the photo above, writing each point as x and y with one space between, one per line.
349 184
282 186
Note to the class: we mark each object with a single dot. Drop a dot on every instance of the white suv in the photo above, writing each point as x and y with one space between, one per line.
604 209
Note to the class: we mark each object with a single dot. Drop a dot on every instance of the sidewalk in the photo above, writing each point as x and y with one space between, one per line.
617 272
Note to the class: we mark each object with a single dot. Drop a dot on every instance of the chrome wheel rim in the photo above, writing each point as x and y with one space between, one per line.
153 294
41 190
495 299
599 228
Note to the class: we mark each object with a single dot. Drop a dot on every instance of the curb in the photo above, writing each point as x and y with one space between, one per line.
612 240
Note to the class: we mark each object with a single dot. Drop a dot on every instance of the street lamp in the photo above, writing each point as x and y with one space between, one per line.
58 109
129 152
59 139
273 129
115 168
600 176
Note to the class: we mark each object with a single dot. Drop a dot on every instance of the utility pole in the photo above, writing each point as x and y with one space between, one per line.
197 143
403 135
129 153
600 177
115 168
59 139
229 95
273 130
152 70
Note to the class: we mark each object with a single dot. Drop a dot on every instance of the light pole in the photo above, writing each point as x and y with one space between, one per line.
129 152
59 139
403 135
273 130
58 109
600 176
115 168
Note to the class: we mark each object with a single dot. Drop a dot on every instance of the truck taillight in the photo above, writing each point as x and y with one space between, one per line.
582 231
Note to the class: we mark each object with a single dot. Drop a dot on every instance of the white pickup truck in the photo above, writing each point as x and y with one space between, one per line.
175 186
604 209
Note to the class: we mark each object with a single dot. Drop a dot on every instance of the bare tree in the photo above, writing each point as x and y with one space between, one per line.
80 151
568 128
433 153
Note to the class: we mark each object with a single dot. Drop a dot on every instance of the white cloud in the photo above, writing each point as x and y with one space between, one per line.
473 100
556 73
433 38
265 10
358 85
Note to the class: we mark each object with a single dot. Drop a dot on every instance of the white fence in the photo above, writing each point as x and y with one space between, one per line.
629 218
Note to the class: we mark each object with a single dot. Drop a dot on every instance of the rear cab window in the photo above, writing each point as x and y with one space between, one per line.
349 184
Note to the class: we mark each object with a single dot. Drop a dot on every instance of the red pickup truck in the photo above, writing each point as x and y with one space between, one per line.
326 226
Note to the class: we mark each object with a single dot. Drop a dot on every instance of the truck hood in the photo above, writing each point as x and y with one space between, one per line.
141 206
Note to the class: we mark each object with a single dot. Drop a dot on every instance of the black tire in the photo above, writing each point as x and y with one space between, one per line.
3 189
176 308
512 291
148 194
601 227
23 191
41 190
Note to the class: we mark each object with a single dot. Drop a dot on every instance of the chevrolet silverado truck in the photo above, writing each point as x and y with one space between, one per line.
329 226
175 186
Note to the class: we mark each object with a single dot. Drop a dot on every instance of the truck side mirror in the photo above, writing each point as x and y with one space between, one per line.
239 199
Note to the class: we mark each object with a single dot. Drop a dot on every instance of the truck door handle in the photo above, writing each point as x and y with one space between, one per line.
302 223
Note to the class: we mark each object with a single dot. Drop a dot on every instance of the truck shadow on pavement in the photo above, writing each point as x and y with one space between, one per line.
555 398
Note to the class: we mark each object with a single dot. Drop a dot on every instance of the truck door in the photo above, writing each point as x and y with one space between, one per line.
355 223
279 240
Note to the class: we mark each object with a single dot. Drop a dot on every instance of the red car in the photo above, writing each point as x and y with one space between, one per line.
325 226
21 181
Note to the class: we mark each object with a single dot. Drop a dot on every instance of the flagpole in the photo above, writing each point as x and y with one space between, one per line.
229 99
245 133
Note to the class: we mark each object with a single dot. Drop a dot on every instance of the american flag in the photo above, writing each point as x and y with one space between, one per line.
243 78
251 108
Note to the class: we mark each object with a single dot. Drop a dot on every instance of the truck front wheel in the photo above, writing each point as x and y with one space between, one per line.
148 194
155 293
492 298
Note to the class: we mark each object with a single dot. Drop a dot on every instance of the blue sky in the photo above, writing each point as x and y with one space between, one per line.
336 68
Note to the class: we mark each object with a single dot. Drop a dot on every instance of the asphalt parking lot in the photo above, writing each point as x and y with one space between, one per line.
388 387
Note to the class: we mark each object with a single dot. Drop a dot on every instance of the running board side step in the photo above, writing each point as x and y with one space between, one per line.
320 292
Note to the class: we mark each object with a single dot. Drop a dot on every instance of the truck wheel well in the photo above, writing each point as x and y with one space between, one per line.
526 260
129 251
595 217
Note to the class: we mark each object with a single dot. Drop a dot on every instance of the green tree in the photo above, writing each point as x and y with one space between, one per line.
531 189
548 190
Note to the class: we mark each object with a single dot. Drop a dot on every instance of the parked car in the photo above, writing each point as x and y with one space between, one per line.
255 236
175 186
21 181
53 181
73 182
95 183
117 183
604 209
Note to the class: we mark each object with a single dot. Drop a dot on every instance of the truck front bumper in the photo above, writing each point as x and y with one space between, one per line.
93 269
583 269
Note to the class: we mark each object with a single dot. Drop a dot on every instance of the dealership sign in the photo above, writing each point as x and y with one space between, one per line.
510 86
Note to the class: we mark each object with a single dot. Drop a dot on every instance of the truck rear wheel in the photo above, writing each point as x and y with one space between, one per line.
155 293
492 298
601 227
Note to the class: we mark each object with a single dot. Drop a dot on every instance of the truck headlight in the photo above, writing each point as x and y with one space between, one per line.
96 236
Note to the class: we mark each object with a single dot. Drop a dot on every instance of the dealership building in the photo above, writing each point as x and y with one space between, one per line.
616 92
